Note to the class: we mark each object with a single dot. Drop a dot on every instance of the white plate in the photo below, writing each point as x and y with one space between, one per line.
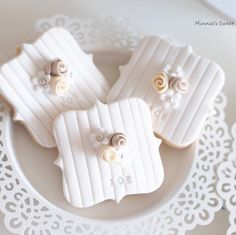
37 163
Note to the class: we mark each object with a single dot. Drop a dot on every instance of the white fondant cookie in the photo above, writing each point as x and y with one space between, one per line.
48 77
107 152
178 86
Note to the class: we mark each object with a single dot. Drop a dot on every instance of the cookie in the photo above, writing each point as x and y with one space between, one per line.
107 152
48 77
178 86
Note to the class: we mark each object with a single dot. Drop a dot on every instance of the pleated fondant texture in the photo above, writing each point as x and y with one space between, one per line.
87 179
37 109
179 127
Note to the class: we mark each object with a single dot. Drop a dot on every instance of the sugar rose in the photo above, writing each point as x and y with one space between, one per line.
59 85
160 82
108 153
56 67
179 85
118 140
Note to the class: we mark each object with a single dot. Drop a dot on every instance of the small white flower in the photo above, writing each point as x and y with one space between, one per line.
160 113
41 82
70 73
69 100
166 105
167 98
177 96
178 70
156 111
167 69
175 101
99 137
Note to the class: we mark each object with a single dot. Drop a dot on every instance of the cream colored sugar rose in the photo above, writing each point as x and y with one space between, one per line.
160 82
59 85
56 67
108 153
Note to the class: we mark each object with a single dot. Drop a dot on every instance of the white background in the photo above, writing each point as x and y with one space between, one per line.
172 17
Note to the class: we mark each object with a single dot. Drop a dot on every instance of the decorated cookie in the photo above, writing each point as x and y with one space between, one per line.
178 86
107 152
48 77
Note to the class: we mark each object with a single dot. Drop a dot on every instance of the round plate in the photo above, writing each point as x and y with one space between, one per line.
37 163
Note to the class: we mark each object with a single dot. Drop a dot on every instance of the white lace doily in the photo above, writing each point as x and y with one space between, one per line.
195 203
226 185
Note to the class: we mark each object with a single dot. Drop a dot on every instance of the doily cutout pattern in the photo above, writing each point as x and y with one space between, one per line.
27 212
103 31
226 185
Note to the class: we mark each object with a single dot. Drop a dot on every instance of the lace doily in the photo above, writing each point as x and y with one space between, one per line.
194 204
226 185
